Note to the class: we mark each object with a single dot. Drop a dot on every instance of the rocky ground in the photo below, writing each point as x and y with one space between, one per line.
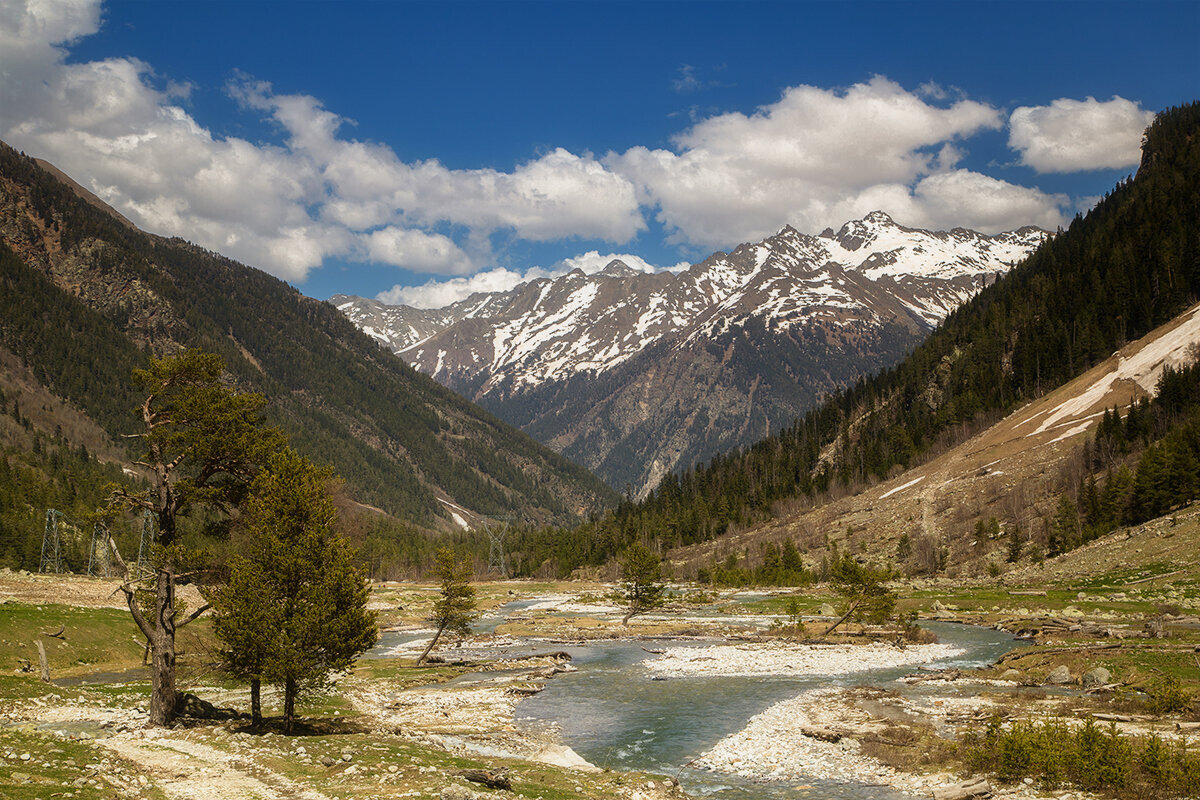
390 730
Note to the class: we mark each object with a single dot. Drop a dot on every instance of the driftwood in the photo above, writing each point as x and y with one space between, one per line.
1108 687
1154 577
493 779
823 734
1187 726
1013 655
975 787
1106 717
933 674
653 651
42 658
523 691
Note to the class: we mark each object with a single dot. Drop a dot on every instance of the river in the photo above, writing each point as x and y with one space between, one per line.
614 715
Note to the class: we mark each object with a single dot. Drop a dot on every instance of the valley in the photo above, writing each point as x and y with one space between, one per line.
551 684
732 420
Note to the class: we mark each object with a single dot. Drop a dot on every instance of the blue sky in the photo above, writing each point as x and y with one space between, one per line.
372 148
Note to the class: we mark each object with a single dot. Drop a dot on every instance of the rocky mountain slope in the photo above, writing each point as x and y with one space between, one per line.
1013 471
85 297
636 375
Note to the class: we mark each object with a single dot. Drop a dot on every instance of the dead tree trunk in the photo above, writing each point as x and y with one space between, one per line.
42 660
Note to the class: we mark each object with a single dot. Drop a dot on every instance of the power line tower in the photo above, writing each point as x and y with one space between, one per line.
496 528
144 569
99 559
51 543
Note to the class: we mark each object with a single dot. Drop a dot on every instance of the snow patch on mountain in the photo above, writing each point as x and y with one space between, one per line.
869 272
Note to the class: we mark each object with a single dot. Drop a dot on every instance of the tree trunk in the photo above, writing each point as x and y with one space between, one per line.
432 642
45 665
255 702
628 616
843 618
162 698
289 704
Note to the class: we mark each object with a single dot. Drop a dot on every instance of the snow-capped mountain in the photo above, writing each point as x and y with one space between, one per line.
744 341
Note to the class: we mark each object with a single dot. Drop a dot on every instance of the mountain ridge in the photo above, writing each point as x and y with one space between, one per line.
828 308
401 441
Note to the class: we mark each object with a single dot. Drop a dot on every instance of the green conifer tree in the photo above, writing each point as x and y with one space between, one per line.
295 610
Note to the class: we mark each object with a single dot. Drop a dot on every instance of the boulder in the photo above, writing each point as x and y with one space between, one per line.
557 755
1096 677
1059 676
826 610
1011 675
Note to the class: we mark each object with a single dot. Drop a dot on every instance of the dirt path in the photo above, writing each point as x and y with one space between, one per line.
190 770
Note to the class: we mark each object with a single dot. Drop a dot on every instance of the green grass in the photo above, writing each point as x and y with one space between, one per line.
93 639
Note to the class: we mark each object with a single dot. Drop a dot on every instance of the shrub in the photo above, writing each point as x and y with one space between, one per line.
1167 696
1086 756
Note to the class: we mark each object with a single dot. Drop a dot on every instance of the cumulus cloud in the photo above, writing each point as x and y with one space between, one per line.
283 208
441 293
815 158
1079 135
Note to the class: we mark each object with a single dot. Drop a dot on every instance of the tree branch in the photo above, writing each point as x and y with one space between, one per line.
130 599
191 617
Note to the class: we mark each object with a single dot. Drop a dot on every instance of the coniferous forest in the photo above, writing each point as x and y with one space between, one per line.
1130 264
399 439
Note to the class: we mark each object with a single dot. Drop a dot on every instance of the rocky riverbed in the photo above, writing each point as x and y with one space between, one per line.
778 658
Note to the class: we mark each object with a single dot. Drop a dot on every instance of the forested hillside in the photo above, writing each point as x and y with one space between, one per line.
1129 265
85 298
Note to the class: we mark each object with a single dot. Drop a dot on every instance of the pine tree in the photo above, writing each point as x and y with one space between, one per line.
642 587
295 609
863 587
455 608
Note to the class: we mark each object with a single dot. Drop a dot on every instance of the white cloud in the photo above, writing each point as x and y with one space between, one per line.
417 251
816 158
283 208
441 293
1078 135
992 204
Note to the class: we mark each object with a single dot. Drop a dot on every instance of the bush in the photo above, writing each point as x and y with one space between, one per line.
1168 696
1055 754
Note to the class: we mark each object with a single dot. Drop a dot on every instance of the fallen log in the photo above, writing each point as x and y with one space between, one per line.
964 791
823 734
58 634
1013 655
1108 687
493 779
1028 592
1154 577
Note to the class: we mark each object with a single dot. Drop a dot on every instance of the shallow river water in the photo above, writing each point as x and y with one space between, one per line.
614 715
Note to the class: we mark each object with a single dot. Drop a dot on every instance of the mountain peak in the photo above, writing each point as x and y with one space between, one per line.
618 269
879 218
